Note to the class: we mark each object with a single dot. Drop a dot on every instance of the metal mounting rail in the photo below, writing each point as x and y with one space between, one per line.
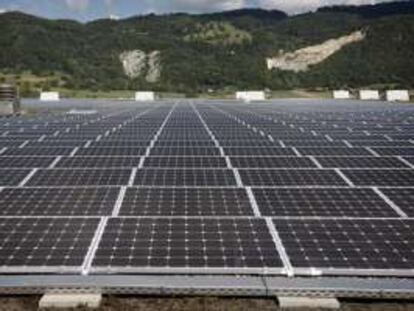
249 286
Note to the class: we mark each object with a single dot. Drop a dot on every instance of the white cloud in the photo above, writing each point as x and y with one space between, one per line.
77 5
197 6
2 11
298 6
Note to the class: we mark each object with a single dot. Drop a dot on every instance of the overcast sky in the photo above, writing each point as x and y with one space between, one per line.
93 9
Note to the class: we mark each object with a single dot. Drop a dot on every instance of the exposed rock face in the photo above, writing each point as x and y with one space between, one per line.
302 59
154 67
137 64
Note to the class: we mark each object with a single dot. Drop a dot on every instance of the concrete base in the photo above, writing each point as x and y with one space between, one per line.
70 301
310 303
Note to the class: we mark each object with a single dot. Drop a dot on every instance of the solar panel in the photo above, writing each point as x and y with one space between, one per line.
171 245
12 177
354 246
318 202
52 151
291 177
186 202
114 151
259 151
171 151
410 160
389 178
403 198
184 143
196 162
313 143
187 177
272 162
44 244
401 151
25 162
334 151
361 162
80 177
98 162
57 201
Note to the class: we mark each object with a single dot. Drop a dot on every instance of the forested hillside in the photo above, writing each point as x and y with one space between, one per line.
213 51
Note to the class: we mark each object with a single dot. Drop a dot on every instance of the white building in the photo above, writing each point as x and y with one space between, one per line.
144 96
341 94
398 95
251 96
369 95
49 96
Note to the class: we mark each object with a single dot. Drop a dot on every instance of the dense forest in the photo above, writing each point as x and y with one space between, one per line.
220 51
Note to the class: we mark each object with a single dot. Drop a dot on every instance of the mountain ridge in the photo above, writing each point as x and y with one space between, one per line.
211 51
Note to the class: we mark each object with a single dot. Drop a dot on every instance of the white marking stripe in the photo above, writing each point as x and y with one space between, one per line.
23 144
87 264
42 138
74 151
3 150
396 208
315 161
279 246
141 162
346 179
53 164
374 153
119 201
27 178
296 151
132 176
253 202
405 162
348 144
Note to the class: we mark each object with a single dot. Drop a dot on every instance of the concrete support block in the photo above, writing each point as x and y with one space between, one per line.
92 301
309 303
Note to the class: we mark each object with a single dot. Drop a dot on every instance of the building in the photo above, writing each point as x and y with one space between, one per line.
49 96
398 95
9 100
369 95
341 94
144 96
251 96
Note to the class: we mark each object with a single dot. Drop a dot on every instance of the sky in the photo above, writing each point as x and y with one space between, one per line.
85 10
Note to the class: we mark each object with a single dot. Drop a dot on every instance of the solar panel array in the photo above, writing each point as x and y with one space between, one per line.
210 188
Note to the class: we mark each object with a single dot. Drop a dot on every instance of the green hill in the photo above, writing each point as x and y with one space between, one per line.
212 51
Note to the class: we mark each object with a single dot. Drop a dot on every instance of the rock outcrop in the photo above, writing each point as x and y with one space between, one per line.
137 64
301 60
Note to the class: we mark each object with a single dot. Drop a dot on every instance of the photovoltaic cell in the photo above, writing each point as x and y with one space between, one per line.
357 244
167 244
61 243
340 202
80 177
196 162
186 202
12 177
274 177
361 162
98 162
57 201
186 177
389 178
26 162
272 162
403 198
